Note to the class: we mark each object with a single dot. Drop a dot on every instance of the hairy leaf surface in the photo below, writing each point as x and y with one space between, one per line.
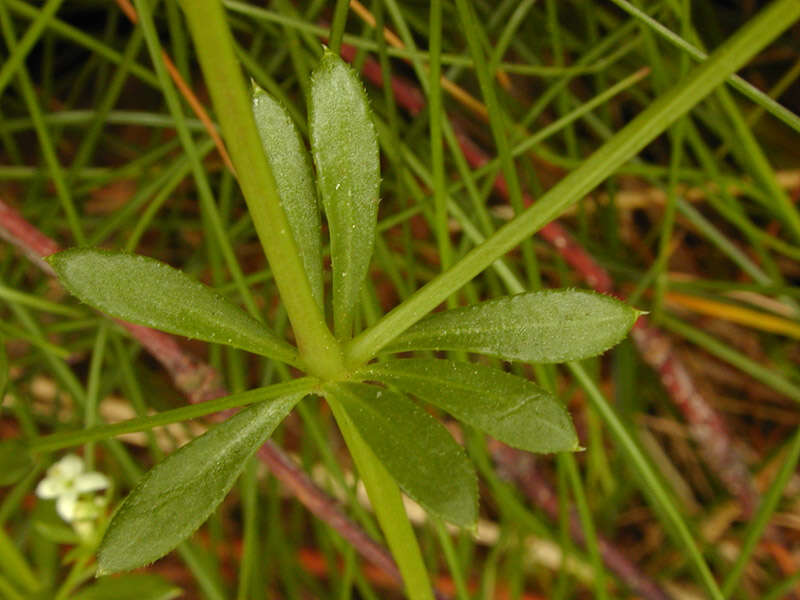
416 450
345 150
291 168
541 327
148 292
175 497
509 408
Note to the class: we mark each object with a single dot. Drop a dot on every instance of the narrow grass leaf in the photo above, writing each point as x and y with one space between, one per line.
345 149
291 168
178 495
416 450
541 327
509 408
132 586
148 292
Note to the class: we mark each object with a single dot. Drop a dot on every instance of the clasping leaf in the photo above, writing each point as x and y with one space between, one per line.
175 497
509 408
550 326
148 292
416 450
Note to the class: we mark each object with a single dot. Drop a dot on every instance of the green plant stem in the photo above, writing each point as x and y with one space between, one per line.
453 563
338 25
57 441
656 492
250 538
212 38
437 147
91 408
589 532
388 505
730 56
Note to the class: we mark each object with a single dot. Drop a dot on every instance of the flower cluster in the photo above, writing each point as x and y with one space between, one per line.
73 488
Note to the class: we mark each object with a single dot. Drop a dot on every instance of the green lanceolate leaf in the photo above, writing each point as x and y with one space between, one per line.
133 586
291 168
345 149
541 327
509 408
416 450
148 292
175 497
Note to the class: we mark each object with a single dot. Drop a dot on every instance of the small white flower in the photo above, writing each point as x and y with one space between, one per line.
65 482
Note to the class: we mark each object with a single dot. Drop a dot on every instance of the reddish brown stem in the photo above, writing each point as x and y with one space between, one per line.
706 424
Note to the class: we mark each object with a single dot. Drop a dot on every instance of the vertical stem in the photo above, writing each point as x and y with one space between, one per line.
250 547
388 505
93 390
214 44
337 28
456 570
589 533
437 148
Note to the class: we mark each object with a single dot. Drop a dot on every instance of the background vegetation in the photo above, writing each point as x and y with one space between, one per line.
687 488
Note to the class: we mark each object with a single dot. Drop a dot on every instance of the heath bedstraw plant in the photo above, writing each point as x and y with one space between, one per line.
394 442
552 326
391 437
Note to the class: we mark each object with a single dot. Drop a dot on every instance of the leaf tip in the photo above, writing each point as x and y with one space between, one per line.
54 258
255 89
